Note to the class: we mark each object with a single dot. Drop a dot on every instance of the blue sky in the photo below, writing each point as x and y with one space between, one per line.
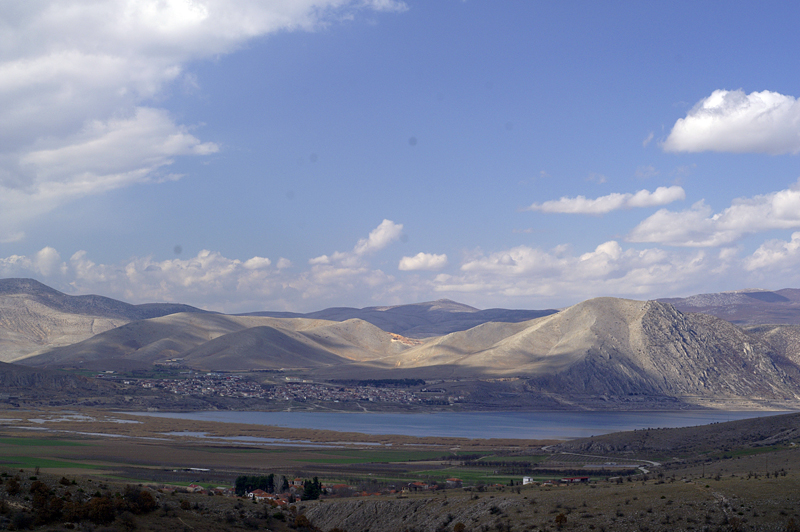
295 155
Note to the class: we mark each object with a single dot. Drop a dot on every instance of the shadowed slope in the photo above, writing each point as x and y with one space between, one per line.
260 347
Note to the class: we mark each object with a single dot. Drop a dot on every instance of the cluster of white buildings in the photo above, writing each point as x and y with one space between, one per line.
214 384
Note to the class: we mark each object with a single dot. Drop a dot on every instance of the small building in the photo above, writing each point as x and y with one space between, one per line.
575 480
259 495
527 480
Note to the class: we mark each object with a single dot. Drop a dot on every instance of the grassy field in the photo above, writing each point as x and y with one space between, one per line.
39 442
365 456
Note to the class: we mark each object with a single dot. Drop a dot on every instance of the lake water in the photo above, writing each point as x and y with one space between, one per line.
525 425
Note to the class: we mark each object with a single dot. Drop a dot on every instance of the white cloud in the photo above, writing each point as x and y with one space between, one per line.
647 140
101 157
611 202
700 227
776 255
211 280
732 121
524 273
77 76
521 277
423 261
347 271
379 238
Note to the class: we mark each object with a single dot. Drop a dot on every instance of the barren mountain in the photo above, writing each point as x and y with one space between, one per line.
745 307
784 339
419 320
614 347
601 349
219 342
34 318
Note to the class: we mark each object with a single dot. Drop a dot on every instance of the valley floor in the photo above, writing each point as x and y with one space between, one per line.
742 475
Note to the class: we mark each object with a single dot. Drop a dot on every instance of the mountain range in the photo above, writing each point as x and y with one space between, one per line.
601 351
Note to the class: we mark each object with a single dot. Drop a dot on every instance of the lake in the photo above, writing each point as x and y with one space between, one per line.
525 425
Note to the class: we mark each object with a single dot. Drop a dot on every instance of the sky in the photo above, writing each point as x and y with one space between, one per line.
301 154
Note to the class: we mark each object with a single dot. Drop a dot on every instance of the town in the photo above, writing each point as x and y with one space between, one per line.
217 384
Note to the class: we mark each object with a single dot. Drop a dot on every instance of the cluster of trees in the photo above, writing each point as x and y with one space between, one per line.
246 483
49 507
312 489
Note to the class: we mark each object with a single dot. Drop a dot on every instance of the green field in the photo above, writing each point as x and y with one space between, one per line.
353 456
534 458
31 462
40 442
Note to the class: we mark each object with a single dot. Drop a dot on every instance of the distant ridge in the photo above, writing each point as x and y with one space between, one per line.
419 320
35 318
745 307
88 304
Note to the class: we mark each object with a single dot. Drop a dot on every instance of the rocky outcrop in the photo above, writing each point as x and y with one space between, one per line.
402 515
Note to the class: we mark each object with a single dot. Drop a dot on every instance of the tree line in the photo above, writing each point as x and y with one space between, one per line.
244 484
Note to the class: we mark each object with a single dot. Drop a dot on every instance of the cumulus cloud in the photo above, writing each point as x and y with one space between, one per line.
611 202
423 261
345 271
211 280
533 274
732 121
776 255
76 77
522 276
379 238
201 280
699 226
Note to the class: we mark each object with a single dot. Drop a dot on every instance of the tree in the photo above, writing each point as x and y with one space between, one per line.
12 486
100 510
311 490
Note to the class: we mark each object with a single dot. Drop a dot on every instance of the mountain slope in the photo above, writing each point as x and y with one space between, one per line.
35 318
90 305
219 342
614 347
420 320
